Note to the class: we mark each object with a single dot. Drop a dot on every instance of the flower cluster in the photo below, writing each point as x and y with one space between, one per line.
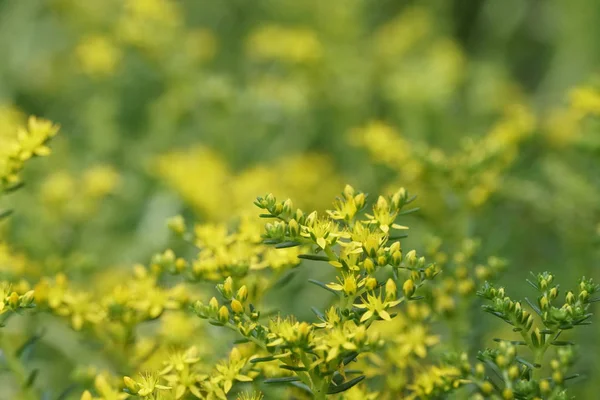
363 248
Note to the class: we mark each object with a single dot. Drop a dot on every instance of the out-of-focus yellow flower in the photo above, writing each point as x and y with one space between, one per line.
287 44
395 38
100 180
98 56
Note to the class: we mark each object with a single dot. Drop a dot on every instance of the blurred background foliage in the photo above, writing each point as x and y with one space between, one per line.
485 109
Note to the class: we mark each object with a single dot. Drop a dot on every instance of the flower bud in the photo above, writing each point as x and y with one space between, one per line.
513 372
236 307
382 204
288 206
27 298
391 291
223 314
131 385
570 298
487 388
557 377
545 386
213 304
176 225
508 394
479 370
242 293
304 329
359 200
411 257
13 300
228 287
396 258
369 265
370 283
294 228
349 285
348 191
408 288
430 272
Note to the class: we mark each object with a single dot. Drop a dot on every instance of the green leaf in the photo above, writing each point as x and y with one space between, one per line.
31 379
323 286
29 343
346 385
14 187
313 257
285 245
409 211
292 368
284 379
262 359
5 214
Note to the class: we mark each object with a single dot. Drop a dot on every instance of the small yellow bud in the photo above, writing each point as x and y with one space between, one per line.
390 290
223 314
213 304
545 386
350 285
381 261
13 300
370 283
169 256
294 228
86 396
430 272
27 298
359 200
369 265
479 370
513 372
553 293
176 225
487 387
501 361
242 293
348 191
411 257
236 306
557 377
507 394
130 384
482 272
396 258
228 287
288 206
408 288
570 298
304 329
180 264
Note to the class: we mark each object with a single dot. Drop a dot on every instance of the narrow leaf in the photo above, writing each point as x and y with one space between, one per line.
346 385
284 379
323 286
313 257
285 245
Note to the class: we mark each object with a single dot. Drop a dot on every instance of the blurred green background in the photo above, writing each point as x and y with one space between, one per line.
486 109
